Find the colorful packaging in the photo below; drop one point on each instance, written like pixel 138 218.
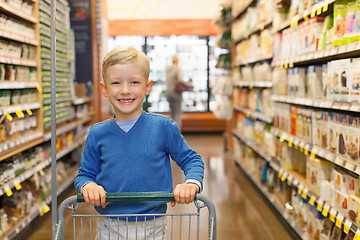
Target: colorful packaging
pixel 352 184
pixel 354 80
pixel 350 19
pixel 356 28
pixel 343 135
pixel 353 209
pixel 352 148
pixel 317 171
pixel 333 127
pixel 340 13
pixel 324 130
pixel 314 88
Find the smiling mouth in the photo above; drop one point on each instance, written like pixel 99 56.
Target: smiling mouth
pixel 126 100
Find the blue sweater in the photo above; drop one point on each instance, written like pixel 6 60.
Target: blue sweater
pixel 136 161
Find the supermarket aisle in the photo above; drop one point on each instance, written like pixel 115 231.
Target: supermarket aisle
pixel 241 212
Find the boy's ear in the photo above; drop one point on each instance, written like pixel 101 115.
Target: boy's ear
pixel 103 89
pixel 149 85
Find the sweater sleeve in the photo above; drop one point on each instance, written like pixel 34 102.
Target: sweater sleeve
pixel 185 157
pixel 90 163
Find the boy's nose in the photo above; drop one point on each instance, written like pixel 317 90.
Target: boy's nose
pixel 125 89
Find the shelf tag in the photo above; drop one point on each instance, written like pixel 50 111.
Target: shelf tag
pixel 44 210
pixel 312 201
pixel 18 186
pixel 29 111
pixel 291 65
pixel 279 174
pixel 296 146
pixel 41 172
pixel 282 139
pixel 306 151
pixel 347 225
pixel 39 88
pixel 299 190
pixel 289 182
pixel 19 114
pixel 332 217
pixel 262 27
pixel 304 195
pixel 301 149
pixel 8 191
pixel 320 208
pixel 306 17
pixel 357 234
pixel 339 220
pixel 313 14
pixel 325 7
pixel 318 12
pixel 312 154
pixel 9 117
pixel 290 144
pixel 283 178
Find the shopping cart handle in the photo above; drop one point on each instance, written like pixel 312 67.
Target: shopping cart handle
pixel 138 196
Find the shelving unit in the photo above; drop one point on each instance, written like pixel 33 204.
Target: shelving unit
pixel 27 77
pixel 242 63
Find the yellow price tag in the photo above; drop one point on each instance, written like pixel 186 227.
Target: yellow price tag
pixel 262 27
pixel 286 66
pixel 41 172
pixel 251 87
pixel 306 151
pixel 313 14
pixel 291 64
pixel 289 182
pixel 295 146
pixel 8 192
pixel 282 139
pixel 39 88
pixel 306 17
pixel 299 190
pixel 296 22
pixel 301 149
pixel 357 237
pixel 283 178
pixel 18 186
pixel 29 111
pixel 346 229
pixel 312 201
pixel 319 207
pixel 312 154
pixel 290 144
pixel 44 210
pixel 304 195
pixel 318 12
pixel 338 223
pixel 9 117
pixel 19 114
pixel 325 212
pixel 325 7
pixel 279 174
pixel 332 217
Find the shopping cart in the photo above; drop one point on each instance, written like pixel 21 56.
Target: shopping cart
pixel 179 226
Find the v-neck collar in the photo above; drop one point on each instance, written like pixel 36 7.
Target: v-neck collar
pixel 133 127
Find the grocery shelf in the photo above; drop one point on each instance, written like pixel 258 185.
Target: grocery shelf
pixel 18 61
pixel 254 60
pixel 20 107
pixel 272 200
pixel 25 141
pixel 243 9
pixel 318 103
pixel 79 101
pixel 310 149
pixel 344 51
pixel 255 84
pixel 30 172
pixel 18 84
pixel 14 11
pixel 257 29
pixel 18 38
pixel 254 114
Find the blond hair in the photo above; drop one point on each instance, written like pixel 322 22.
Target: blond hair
pixel 124 55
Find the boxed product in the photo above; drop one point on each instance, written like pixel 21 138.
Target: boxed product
pixel 340 71
pixel 326 80
pixel 356 28
pixel 343 135
pixel 339 180
pixel 354 79
pixel 333 128
pixel 316 128
pixel 350 19
pixel 340 13
pixel 340 200
pixel 352 184
pixel 352 148
pixel 324 130
pixel 326 191
pixel 353 209
pixel 314 88
pixel 317 171
pixel 314 33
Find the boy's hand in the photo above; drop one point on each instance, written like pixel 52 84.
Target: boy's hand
pixel 185 193
pixel 94 194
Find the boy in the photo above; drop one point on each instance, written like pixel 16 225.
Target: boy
pixel 131 152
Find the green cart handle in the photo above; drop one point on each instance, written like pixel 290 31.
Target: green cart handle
pixel 138 196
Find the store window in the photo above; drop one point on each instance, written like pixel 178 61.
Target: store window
pixel 196 59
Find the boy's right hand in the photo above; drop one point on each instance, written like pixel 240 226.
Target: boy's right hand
pixel 94 194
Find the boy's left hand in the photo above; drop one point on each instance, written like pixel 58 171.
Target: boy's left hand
pixel 185 193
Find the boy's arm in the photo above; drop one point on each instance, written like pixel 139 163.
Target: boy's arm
pixel 94 194
pixel 185 193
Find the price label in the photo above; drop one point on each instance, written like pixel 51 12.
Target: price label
pixel 291 64
pixel 19 114
pixel 306 17
pixel 312 154
pixel 29 112
pixel 39 88
pixel 299 190
pixel 318 12
pixel 290 144
pixel 8 191
pixel 282 139
pixel 304 195
pixel 44 210
pixel 319 207
pixel 18 186
pixel 339 220
pixel 347 225
pixel 283 178
pixel 9 117
pixel 357 235
pixel 296 147
pixel 313 14
pixel 279 174
pixel 325 7
pixel 332 217
pixel 41 172
pixel 312 201
pixel 301 149
pixel 306 151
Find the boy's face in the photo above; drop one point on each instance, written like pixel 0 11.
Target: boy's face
pixel 125 87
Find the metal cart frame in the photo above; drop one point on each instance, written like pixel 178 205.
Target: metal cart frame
pixel 200 202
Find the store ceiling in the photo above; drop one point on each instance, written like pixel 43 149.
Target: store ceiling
pixel 162 9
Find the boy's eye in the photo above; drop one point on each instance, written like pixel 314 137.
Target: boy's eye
pixel 135 82
pixel 114 83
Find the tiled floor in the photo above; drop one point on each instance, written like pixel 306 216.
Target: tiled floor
pixel 241 212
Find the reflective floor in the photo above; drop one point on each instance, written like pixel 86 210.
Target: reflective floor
pixel 241 211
